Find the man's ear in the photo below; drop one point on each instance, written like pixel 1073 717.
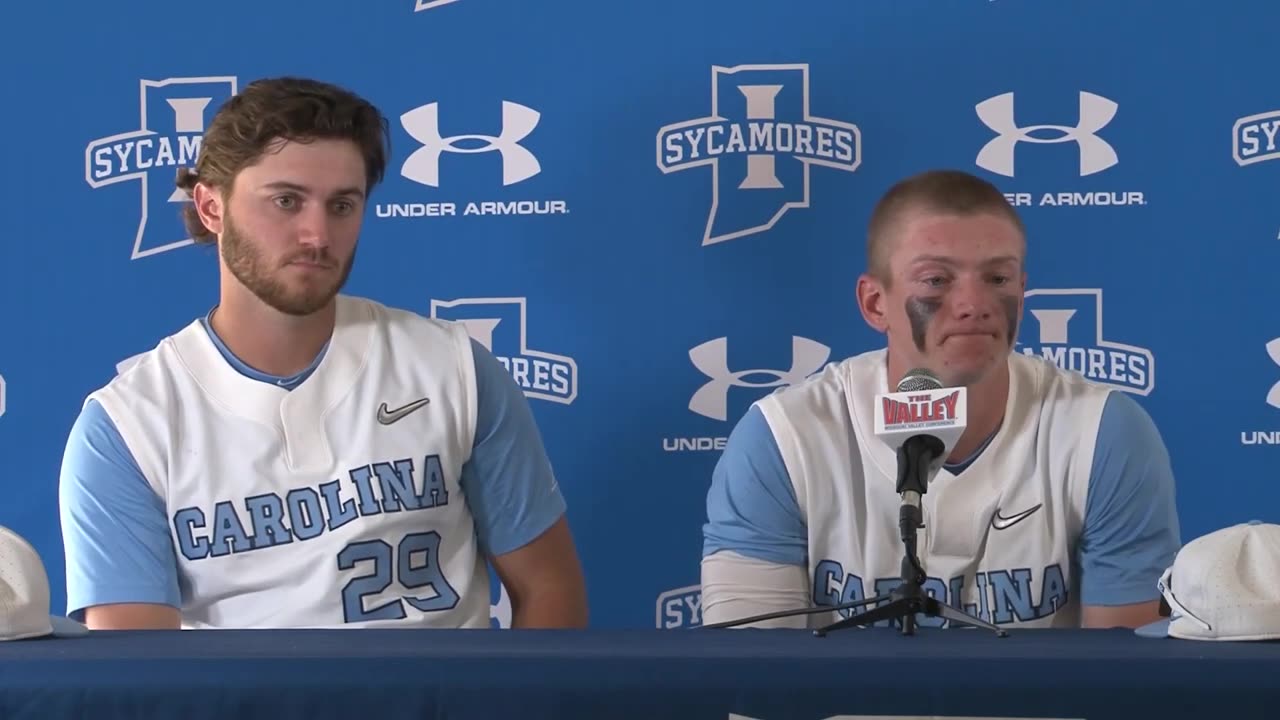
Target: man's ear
pixel 871 302
pixel 210 206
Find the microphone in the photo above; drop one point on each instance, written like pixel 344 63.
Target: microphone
pixel 921 421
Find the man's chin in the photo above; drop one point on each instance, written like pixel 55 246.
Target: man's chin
pixel 301 304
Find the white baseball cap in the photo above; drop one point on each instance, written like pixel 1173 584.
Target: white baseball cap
pixel 1223 586
pixel 24 594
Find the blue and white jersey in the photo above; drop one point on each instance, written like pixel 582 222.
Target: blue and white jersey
pixel 1070 503
pixel 365 491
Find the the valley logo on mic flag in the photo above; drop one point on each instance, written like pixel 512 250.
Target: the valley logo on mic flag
pixel 941 412
pixel 920 410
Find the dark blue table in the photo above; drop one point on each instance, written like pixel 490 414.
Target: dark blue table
pixel 650 674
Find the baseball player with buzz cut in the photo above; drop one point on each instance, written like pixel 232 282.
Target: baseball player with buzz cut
pixel 1055 508
pixel 299 457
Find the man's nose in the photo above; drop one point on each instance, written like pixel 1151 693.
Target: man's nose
pixel 313 227
pixel 971 297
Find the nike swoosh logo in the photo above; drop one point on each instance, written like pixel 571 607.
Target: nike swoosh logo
pixel 1000 522
pixel 386 416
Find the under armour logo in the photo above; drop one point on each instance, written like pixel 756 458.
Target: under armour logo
pixel 711 358
pixel 1096 154
pixel 423 124
pixel 1273 396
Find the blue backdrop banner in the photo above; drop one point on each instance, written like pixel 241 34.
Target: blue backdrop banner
pixel 655 213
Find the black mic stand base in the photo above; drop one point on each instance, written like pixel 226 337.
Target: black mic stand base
pixel 905 602
pixel 786 613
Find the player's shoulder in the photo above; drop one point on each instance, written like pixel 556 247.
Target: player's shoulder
pixel 398 320
pixel 147 368
pixel 1126 423
pixel 1050 385
pixel 1076 403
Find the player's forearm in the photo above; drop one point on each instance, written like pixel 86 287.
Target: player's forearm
pixel 736 587
pixel 132 616
pixel 556 607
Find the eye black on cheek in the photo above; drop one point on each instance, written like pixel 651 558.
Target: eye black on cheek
pixel 1010 305
pixel 920 312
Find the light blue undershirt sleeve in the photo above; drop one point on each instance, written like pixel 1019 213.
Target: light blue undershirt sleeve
pixel 114 530
pixel 508 482
pixel 1131 531
pixel 751 506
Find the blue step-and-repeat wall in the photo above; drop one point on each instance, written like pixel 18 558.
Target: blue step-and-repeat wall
pixel 663 206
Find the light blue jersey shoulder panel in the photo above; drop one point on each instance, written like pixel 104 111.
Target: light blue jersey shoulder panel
pixel 509 483
pixel 1131 531
pixel 751 506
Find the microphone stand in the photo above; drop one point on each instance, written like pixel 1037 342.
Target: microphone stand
pixel 909 598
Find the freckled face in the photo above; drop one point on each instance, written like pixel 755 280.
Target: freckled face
pixel 955 298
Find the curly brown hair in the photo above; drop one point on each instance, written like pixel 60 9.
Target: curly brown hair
pixel 274 109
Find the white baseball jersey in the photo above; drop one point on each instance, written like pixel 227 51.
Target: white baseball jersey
pixel 334 504
pixel 1070 503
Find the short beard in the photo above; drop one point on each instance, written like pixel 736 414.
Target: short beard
pixel 251 269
